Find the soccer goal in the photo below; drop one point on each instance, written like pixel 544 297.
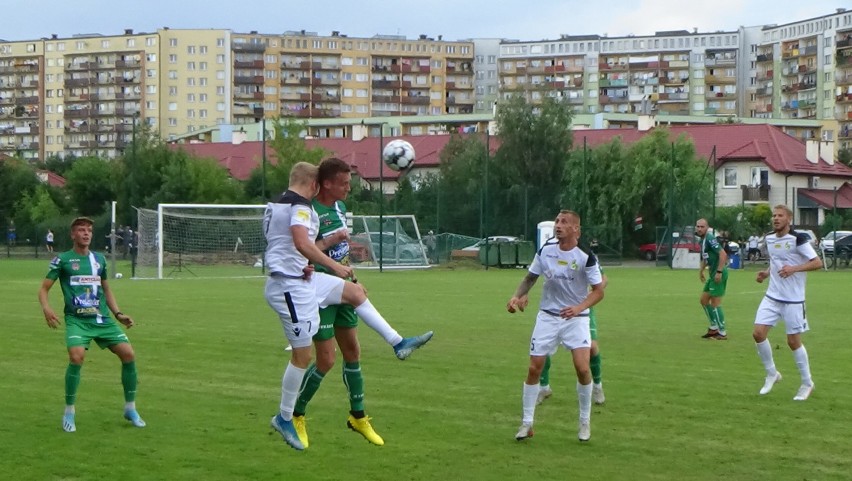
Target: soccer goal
pixel 200 240
pixel 396 243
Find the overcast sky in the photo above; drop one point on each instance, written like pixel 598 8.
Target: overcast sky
pixel 456 19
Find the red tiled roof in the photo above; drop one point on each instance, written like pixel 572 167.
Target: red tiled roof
pixel 781 152
pixel 362 154
pixel 51 178
pixel 825 197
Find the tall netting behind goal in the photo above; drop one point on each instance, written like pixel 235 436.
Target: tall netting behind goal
pixel 186 240
pixel 397 241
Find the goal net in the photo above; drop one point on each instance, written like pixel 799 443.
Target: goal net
pixel 199 240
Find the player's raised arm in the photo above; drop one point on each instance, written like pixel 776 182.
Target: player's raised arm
pixel 309 249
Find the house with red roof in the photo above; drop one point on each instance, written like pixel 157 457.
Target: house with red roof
pixel 757 163
pixel 754 163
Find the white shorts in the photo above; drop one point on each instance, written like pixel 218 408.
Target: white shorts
pixel 295 302
pixel 552 331
pixel 770 312
pixel 329 288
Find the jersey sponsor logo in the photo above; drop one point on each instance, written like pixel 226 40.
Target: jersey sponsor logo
pixel 339 251
pixel 303 215
pixel 85 280
pixel 562 262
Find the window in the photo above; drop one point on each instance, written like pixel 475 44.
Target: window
pixel 151 73
pixel 730 180
pixel 202 81
pixel 220 106
pixel 173 74
pixel 131 42
pixel 150 41
pixel 190 49
pixel 202 66
pixel 348 92
pixel 202 113
pixel 190 98
pixel 150 105
pixel 172 121
pixel 202 98
pixel 220 58
pixel 220 90
pixel 190 65
pixel 220 74
pixel 220 42
pixel 172 42
pixel 172 91
pixel 202 49
pixel 172 106
pixel 172 58
pixel 151 89
pixel 190 81
pixel 190 113
pixel 104 43
pixel 151 57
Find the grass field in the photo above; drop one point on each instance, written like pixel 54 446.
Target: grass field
pixel 210 362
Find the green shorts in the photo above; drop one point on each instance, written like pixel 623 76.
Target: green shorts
pixel 716 289
pixel 593 324
pixel 338 315
pixel 83 333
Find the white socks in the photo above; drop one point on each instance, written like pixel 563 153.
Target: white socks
pixel 800 355
pixel 584 396
pixel 130 406
pixel 290 384
pixel 69 409
pixel 530 397
pixel 372 318
pixel 764 350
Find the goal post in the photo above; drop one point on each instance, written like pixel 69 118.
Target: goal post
pixel 397 242
pixel 200 240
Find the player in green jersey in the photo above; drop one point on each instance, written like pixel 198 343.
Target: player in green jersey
pixel 713 255
pixel 339 322
pixel 82 275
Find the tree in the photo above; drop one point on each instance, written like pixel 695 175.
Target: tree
pixel 42 207
pixel 535 143
pixel 90 185
pixel 289 148
pixel 17 179
pixel 457 192
pixel 845 157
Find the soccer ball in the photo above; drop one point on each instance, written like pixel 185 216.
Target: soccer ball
pixel 398 154
pixel 118 275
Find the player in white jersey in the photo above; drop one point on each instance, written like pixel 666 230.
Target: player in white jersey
pixel 296 293
pixel 790 256
pixel 563 316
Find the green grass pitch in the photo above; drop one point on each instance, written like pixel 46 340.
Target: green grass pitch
pixel 210 362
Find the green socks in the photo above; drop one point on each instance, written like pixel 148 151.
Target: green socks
pixel 128 380
pixel 595 365
pixel 711 315
pixel 545 373
pixel 720 319
pixel 72 382
pixel 310 385
pixel 354 382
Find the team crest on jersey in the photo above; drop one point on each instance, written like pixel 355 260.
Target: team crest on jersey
pixel 75 266
pixel 574 265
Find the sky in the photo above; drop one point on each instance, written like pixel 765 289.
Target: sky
pixel 454 20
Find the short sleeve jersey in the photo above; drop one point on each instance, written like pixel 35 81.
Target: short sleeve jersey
pixel 332 219
pixel 290 210
pixel 710 249
pixel 80 279
pixel 567 276
pixel 790 249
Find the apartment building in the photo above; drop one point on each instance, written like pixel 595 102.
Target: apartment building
pixel 22 73
pixel 803 69
pixel 669 73
pixel 306 75
pixel 486 72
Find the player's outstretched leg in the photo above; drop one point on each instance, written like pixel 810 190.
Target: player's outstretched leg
pixel 301 427
pixel 408 345
pixel 129 382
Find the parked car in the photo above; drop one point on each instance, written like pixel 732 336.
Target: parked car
pixel 653 251
pixel 841 253
pixel 761 244
pixel 395 248
pixel 827 242
pixel 495 239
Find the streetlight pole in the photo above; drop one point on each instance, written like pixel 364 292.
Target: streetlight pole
pixel 263 148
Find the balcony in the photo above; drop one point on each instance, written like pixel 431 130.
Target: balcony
pixel 248 95
pixel 755 194
pixel 847 42
pixel 765 57
pixel 554 68
pixel 77 113
pixel 843 98
pixel 248 47
pixel 77 82
pixel 720 95
pixel 712 62
pixel 719 79
pixel 575 100
pixel 249 64
pixel 124 80
pixel 250 80
pixel 26 101
pixel 764 92
pixel 416 100
pixel 384 84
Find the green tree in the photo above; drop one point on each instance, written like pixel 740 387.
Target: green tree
pixel 289 148
pixel 845 157
pixel 457 191
pixel 90 184
pixel 535 143
pixel 17 179
pixel 42 207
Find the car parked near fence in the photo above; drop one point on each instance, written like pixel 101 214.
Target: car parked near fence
pixel 652 251
pixel 827 242
pixel 495 239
